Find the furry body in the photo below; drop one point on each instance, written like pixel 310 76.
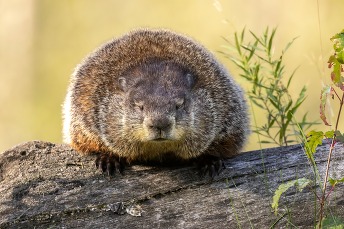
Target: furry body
pixel 153 93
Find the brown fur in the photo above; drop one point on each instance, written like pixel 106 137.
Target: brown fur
pixel 153 93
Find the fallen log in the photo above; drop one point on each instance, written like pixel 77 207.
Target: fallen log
pixel 46 185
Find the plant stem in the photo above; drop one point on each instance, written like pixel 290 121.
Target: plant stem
pixel 340 111
pixel 323 196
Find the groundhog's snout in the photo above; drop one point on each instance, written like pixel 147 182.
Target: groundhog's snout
pixel 158 128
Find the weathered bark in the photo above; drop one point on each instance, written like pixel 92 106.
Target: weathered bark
pixel 48 185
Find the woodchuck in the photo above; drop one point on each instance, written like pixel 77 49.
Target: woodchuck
pixel 154 96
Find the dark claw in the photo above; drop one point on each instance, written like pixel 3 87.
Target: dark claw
pixel 212 171
pixel 110 168
pixel 211 165
pixel 110 164
pixel 219 166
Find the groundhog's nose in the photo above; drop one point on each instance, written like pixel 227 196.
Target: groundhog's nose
pixel 160 124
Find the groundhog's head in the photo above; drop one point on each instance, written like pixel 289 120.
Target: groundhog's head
pixel 157 97
pixel 156 107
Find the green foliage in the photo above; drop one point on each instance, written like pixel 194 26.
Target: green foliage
pixel 333 182
pixel 335 62
pixel 315 138
pixel 300 184
pixel 269 87
pixel 332 223
pixel 337 59
pixel 270 91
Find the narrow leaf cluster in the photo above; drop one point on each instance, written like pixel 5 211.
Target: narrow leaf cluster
pixel 269 85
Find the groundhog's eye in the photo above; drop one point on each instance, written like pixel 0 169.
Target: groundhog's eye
pixel 179 103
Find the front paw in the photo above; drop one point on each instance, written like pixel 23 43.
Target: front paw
pixel 110 164
pixel 211 165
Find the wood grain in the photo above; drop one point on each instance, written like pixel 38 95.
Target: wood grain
pixel 46 185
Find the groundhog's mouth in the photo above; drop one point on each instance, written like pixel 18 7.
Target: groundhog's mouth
pixel 159 139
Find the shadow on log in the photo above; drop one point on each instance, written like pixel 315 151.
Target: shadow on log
pixel 46 185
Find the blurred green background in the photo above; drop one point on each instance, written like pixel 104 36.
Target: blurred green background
pixel 42 41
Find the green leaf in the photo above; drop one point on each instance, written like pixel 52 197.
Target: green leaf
pixel 325 92
pixel 329 134
pixel 314 138
pixel 337 60
pixel 240 65
pixel 277 69
pixel 339 136
pixel 336 73
pixel 338 41
pixel 257 38
pixel 332 222
pixel 300 99
pixel 333 182
pixel 266 142
pixel 298 103
pixel 252 50
pixel 257 102
pixel 299 183
pixel 237 44
pixel 271 39
pixel 290 115
pixel 289 44
pixel 274 101
pixel 271 121
pixel 291 77
pixel 242 34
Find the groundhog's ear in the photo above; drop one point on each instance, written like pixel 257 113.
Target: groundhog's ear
pixel 191 80
pixel 122 84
